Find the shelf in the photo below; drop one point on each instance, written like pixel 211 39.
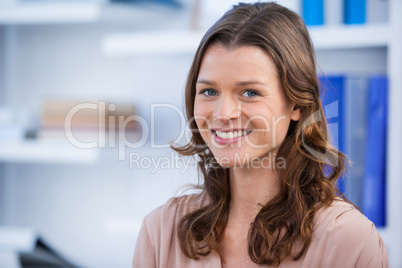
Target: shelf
pixel 17 238
pixel 186 42
pixel 49 152
pixel 57 12
pixel 151 43
pixel 350 36
pixel 47 12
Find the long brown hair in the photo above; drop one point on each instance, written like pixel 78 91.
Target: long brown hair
pixel 312 164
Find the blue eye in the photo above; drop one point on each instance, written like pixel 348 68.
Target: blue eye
pixel 250 93
pixel 209 92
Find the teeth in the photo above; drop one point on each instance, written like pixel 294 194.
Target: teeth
pixel 230 134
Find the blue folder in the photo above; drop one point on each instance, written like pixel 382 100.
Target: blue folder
pixel 332 98
pixel 354 11
pixel 313 12
pixel 373 200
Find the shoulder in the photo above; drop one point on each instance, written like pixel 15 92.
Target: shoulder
pixel 342 216
pixel 337 213
pixel 157 241
pixel 173 210
pixel 342 230
pixel 158 244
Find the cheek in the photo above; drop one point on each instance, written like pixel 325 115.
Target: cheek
pixel 280 129
pixel 198 110
pixel 258 115
pixel 282 126
pixel 201 114
pixel 272 125
pixel 202 129
pixel 201 124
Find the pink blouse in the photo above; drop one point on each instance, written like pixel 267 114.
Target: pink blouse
pixel 342 237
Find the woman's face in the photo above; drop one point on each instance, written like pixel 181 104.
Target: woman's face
pixel 240 107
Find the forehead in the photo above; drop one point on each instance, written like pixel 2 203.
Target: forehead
pixel 243 62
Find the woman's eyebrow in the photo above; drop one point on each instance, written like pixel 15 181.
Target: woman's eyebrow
pixel 202 81
pixel 242 83
pixel 251 82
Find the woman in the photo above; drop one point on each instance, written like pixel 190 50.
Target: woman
pixel 260 135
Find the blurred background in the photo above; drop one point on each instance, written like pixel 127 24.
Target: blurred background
pixel 115 71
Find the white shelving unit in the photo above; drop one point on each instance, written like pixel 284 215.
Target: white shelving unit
pixel 344 37
pixel 151 43
pixel 47 152
pixel 52 51
pixel 49 13
pixel 180 42
pixel 44 13
pixel 393 232
pixel 73 12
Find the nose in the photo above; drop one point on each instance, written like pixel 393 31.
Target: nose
pixel 227 109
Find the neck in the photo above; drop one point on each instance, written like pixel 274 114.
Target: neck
pixel 251 189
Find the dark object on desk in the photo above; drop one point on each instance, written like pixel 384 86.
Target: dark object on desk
pixel 44 257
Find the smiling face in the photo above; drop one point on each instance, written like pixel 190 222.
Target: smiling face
pixel 240 107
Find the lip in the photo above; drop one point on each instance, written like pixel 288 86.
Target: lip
pixel 222 141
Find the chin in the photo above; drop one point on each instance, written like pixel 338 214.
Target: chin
pixel 246 160
pixel 232 160
pixel 226 164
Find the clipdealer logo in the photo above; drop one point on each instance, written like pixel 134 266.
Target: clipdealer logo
pixel 106 134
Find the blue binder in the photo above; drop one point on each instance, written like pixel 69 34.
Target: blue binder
pixel 373 203
pixel 313 12
pixel 332 98
pixel 354 11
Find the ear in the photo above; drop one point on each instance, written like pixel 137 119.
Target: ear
pixel 295 114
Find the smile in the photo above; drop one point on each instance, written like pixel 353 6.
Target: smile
pixel 229 136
